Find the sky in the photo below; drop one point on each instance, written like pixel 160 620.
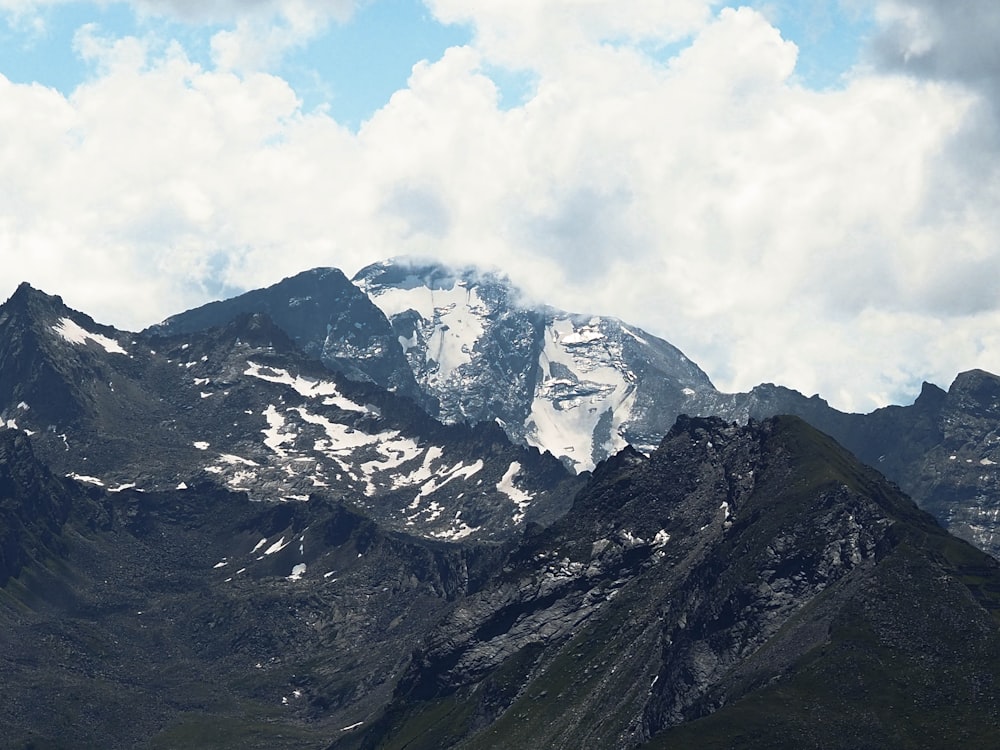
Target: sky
pixel 795 192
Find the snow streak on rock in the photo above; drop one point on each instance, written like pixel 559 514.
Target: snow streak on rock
pixel 584 393
pixel 519 497
pixel 75 334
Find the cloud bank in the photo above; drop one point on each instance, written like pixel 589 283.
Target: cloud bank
pixel 667 167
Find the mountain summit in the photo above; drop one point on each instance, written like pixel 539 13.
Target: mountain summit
pixel 463 345
pixel 327 317
pixel 579 386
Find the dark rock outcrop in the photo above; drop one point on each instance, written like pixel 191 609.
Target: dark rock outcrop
pixel 724 570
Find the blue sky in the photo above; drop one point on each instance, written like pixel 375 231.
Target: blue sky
pixel 353 66
pixel 801 193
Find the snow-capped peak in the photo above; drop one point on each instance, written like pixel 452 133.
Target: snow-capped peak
pixel 564 383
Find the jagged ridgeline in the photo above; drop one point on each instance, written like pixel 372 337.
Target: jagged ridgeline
pixel 242 405
pixel 741 587
pixel 411 511
pixel 582 387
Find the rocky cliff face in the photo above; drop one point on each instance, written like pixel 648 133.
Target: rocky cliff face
pixel 583 387
pixel 942 450
pixel 251 549
pixel 327 318
pixel 461 344
pixel 242 406
pixel 204 619
pixel 34 505
pixel 579 386
pixel 209 529
pixel 724 572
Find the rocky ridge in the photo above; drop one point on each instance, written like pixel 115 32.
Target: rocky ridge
pixel 204 618
pixel 240 405
pixel 732 571
pixel 582 387
pixel 212 531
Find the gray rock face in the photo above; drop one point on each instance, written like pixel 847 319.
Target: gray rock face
pixel 943 450
pixel 241 406
pixel 681 584
pixel 579 386
pixel 201 616
pixel 582 387
pixel 327 318
pixel 462 346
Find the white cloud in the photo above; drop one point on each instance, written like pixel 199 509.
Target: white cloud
pixel 223 11
pixel 830 241
pixel 256 34
pixel 260 39
pixel 204 11
pixel 528 33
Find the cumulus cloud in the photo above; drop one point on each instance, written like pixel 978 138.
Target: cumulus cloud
pixel 531 34
pixel 221 11
pixel 204 11
pixel 831 241
pixel 255 34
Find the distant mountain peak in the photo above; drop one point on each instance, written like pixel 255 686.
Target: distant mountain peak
pixel 35 302
pixel 580 386
pixel 47 312
pixel 45 347
pixel 326 316
pixel 410 272
pixel 982 384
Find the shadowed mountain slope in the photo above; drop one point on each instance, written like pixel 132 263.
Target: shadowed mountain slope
pixel 735 570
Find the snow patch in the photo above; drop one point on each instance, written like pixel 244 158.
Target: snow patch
pixel 629 539
pixel 237 460
pixel 628 332
pixel 442 477
pixel 452 321
pixel 581 382
pixel 75 334
pixel 86 479
pixel 201 445
pixel 304 386
pixel 459 529
pixel 277 546
pixel 585 335
pixel 519 497
pixel 274 438
pixel 342 438
pixel 297 572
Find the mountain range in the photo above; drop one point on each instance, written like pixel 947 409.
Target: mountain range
pixel 410 509
pixel 582 387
